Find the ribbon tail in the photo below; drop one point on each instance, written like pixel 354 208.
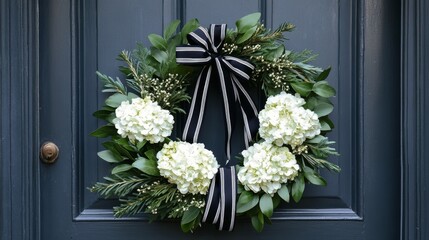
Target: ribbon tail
pixel 221 199
pixel 249 111
pixel 228 96
pixel 196 111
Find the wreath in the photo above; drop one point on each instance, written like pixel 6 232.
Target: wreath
pixel 285 142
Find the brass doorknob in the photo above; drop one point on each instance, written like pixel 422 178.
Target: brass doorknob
pixel 49 152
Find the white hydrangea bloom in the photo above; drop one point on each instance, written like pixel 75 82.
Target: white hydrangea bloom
pixel 284 121
pixel 266 167
pixel 143 119
pixel 190 166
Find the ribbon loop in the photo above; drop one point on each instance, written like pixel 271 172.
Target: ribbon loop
pixel 205 49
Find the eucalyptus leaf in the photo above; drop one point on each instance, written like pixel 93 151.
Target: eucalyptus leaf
pixel 316 139
pixel 147 166
pixel 241 208
pixel 313 177
pixel 323 89
pixel 303 88
pixel 276 52
pixel 131 96
pixel 245 197
pixel 247 35
pixel 170 30
pixel 109 156
pixel 311 103
pixel 266 205
pixel 258 222
pixel 325 126
pixel 121 168
pixel 298 188
pixel 283 192
pixel 158 41
pixel 115 100
pixel 328 121
pixel 190 215
pixel 247 22
pixel 323 109
pixel 276 200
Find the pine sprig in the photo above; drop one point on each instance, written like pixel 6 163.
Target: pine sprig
pixel 112 85
pixel 321 163
pixel 119 185
pixel 323 149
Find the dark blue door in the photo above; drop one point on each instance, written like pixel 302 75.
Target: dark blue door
pixel 359 40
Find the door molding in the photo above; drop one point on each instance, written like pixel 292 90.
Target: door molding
pixel 414 116
pixel 19 124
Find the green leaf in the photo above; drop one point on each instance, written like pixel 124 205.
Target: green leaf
pixel 125 144
pixel 158 41
pixel 102 114
pixel 276 53
pixel 322 76
pixel 246 36
pixel 147 166
pixel 323 89
pixel 141 144
pixel 109 156
pixel 158 55
pixel 327 120
pixel 115 100
pixel 276 200
pixel 316 139
pixel 283 192
pixel 258 222
pixel 131 96
pixel 324 126
pixel 266 205
pixel 104 131
pixel 311 103
pixel 313 177
pixel 303 88
pixel 190 26
pixel 115 146
pixel 151 154
pixel 121 168
pixel 323 109
pixel 298 188
pixel 245 197
pixel 190 215
pixel 171 29
pixel 241 208
pixel 247 22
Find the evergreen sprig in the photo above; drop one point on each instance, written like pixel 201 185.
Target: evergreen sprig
pixel 119 185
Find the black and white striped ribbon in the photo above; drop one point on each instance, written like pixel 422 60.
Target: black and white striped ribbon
pixel 204 49
pixel 221 199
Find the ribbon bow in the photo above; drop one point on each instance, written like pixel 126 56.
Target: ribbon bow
pixel 205 49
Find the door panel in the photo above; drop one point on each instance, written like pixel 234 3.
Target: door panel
pixel 80 37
